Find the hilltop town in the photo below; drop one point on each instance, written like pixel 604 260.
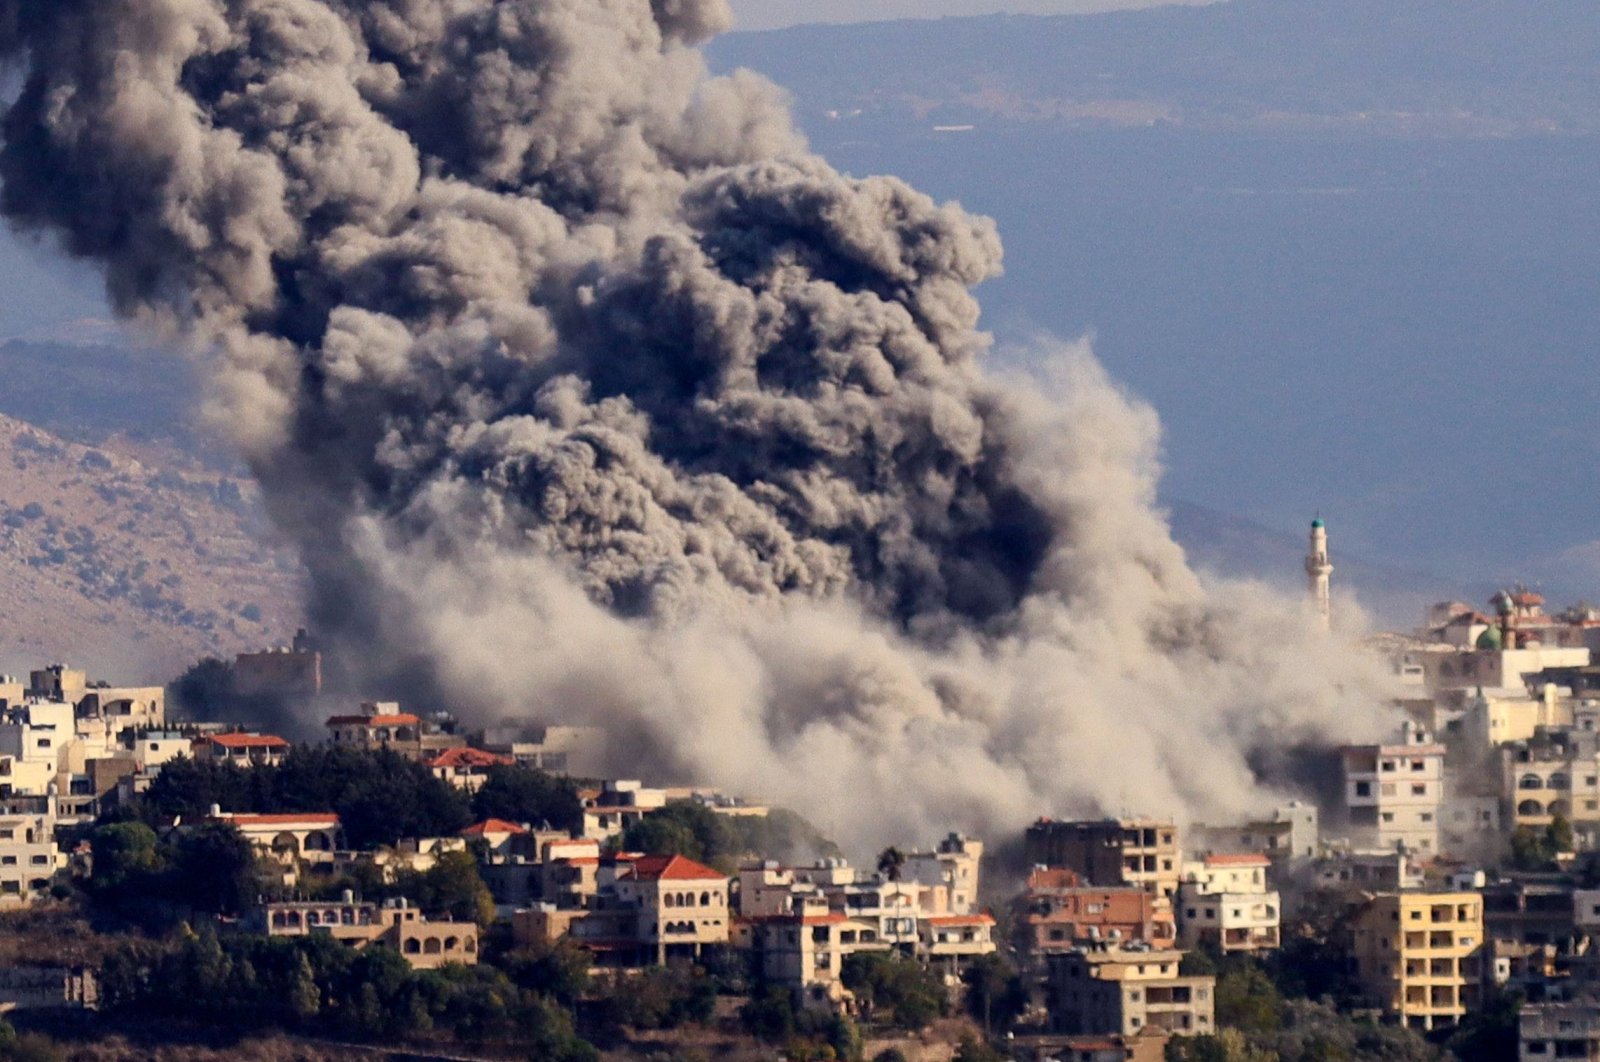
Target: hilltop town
pixel 403 879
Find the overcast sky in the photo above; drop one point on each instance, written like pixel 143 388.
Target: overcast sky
pixel 768 14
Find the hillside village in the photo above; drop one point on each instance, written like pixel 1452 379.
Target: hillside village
pixel 496 888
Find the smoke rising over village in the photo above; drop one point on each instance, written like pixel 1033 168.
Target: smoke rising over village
pixel 587 392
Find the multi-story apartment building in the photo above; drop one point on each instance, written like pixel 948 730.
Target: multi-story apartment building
pixel 1062 913
pixel 1418 955
pixel 1291 833
pixel 1113 991
pixel 955 863
pixel 1549 1032
pixel 1555 774
pixel 1394 793
pixel 805 951
pixel 29 858
pixel 1224 899
pixel 1111 852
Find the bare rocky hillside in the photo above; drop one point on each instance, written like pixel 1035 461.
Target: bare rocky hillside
pixel 132 568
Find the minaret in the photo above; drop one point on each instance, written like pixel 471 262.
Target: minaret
pixel 1318 571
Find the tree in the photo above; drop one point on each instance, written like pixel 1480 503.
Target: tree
pixel 976 1051
pixel 524 794
pixel 125 858
pixel 454 887
pixel 1227 1045
pixel 1490 1032
pixel 1247 1000
pixel 913 993
pixel 769 1016
pixel 559 970
pixel 212 868
pixel 663 835
pixel 996 995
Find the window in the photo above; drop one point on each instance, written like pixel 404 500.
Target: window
pixel 1418 765
pixel 1388 765
pixel 1420 789
pixel 1388 816
pixel 1363 789
pixel 1427 816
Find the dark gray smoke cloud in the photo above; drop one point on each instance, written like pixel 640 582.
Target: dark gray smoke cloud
pixel 583 385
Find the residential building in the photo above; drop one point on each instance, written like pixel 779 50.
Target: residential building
pixel 805 953
pixel 425 944
pixel 682 906
pixel 1382 871
pixel 578 751
pixel 1062 913
pixel 1394 792
pixel 283 673
pixel 950 942
pixel 611 809
pixel 29 858
pixel 1418 955
pixel 1224 900
pixel 1547 1032
pixel 378 725
pixel 308 837
pixel 1554 774
pixel 241 750
pixel 1291 833
pixel 467 768
pixel 1530 910
pixel 1110 852
pixel 153 749
pixel 1114 991
pixel 955 863
pixel 40 987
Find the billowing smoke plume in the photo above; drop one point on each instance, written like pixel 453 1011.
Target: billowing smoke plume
pixel 588 393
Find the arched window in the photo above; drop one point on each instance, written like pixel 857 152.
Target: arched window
pixel 1530 781
pixel 1559 781
pixel 413 946
pixel 451 943
pixel 670 901
pixel 705 899
pixel 1530 807
pixel 313 918
pixel 431 946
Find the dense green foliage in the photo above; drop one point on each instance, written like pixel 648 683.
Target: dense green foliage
pixel 523 794
pixel 316 985
pixel 1533 849
pixel 689 829
pixel 207 869
pixel 895 989
pixel 996 994
pixel 380 797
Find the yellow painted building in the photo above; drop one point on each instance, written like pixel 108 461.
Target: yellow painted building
pixel 1419 955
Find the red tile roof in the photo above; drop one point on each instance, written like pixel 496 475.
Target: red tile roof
pixel 247 741
pixel 403 719
pixel 1238 859
pixel 673 868
pixel 319 818
pixel 961 920
pixel 478 829
pixel 469 757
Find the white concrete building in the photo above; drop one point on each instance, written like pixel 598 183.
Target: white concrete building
pixel 955 864
pixel 1394 793
pixel 1225 899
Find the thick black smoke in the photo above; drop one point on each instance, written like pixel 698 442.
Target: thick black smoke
pixel 579 380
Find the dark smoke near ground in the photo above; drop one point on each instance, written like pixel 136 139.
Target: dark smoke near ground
pixel 589 394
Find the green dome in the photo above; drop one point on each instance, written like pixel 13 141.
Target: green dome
pixel 1489 639
pixel 1317 523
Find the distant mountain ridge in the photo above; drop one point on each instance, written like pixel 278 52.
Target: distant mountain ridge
pixel 1485 66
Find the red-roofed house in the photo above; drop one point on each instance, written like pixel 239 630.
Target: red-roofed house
pixel 953 941
pixel 647 909
pixel 466 768
pixel 244 750
pixel 379 725
pixel 304 836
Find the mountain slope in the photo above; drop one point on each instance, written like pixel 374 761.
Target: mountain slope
pixel 128 567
